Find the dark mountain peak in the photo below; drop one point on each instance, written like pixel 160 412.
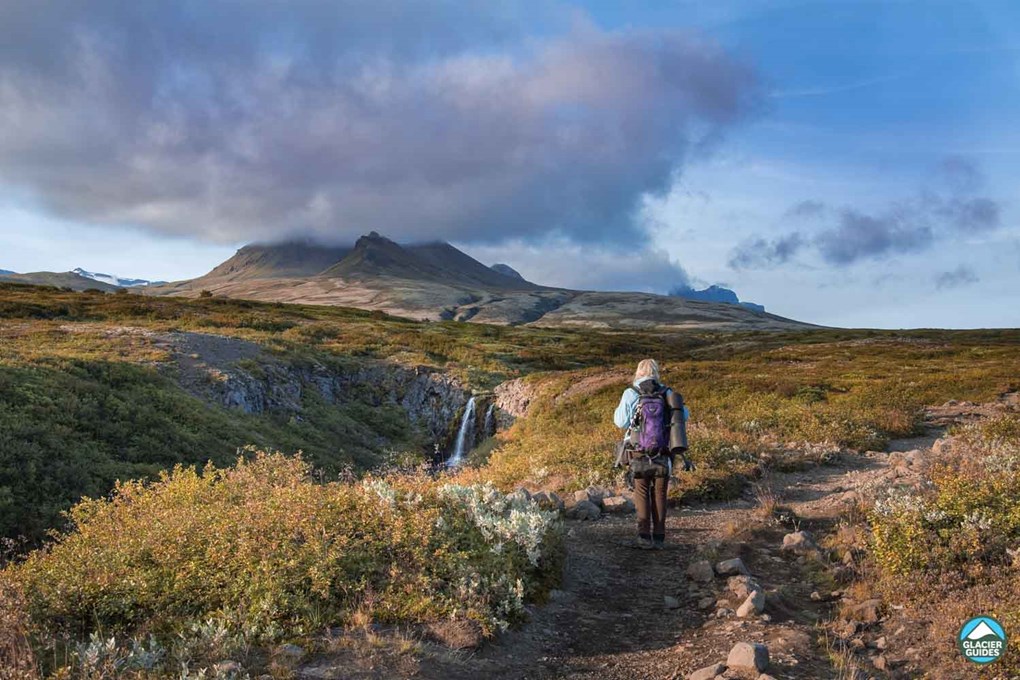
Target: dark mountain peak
pixel 506 270
pixel 713 293
pixel 372 237
pixel 288 259
pixel 375 255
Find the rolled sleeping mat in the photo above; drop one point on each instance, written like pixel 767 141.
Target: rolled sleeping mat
pixel 677 424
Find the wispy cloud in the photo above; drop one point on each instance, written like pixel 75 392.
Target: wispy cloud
pixel 822 90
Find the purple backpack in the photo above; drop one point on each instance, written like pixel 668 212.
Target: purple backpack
pixel 650 424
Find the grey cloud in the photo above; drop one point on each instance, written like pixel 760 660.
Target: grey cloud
pixel 263 120
pixel 961 276
pixel 973 214
pixel 759 253
pixel 944 210
pixel 858 236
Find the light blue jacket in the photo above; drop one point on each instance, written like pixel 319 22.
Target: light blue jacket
pixel 628 402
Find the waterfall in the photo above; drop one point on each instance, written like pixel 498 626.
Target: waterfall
pixel 466 427
pixel 489 425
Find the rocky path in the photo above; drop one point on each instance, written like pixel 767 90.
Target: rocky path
pixel 627 613
pixel 624 613
pixel 670 614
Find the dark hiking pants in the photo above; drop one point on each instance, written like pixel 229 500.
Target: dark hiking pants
pixel 650 500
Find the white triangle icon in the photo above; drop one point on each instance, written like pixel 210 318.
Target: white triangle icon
pixel 981 630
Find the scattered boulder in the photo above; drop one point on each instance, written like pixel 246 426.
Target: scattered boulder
pixel 742 586
pixel 547 500
pixel 754 604
pixel 867 611
pixel 733 566
pixel 700 571
pixel 584 510
pixel 800 543
pixel 618 504
pixel 670 602
pixel 748 657
pixel 593 494
pixel 708 672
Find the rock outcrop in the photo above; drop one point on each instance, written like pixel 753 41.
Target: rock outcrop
pixel 513 399
pixel 238 374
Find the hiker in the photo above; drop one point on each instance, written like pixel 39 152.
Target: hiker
pixel 654 418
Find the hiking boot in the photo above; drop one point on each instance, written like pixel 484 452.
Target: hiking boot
pixel 659 542
pixel 643 543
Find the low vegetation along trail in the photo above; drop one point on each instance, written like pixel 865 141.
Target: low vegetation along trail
pixel 628 613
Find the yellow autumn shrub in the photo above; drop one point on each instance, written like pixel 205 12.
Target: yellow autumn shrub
pixel 265 551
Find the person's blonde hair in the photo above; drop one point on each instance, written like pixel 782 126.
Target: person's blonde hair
pixel 647 368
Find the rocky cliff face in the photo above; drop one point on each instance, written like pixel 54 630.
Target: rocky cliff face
pixel 237 374
pixel 513 399
pixel 432 400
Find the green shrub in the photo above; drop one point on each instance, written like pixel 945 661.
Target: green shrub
pixel 966 517
pixel 263 550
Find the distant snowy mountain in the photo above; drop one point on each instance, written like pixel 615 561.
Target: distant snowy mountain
pixel 714 294
pixel 115 280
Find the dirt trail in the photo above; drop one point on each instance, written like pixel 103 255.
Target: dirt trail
pixel 610 620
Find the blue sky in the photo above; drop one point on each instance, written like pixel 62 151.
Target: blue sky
pixel 845 163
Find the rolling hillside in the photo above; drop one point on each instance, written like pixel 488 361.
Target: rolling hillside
pixel 436 281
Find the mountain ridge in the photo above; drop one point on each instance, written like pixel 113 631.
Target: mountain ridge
pixel 436 281
pixel 60 280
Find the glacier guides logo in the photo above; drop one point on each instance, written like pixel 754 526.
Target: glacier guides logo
pixel 982 640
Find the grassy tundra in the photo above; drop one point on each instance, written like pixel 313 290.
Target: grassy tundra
pixel 271 547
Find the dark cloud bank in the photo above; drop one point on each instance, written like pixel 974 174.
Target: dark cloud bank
pixel 947 206
pixel 242 121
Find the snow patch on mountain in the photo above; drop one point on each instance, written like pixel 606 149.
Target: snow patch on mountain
pixel 115 280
